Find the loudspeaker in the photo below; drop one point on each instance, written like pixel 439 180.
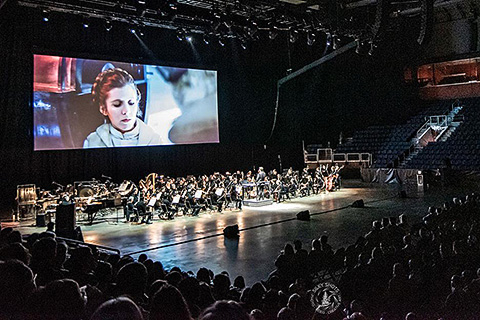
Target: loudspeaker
pixel 40 220
pixel 403 194
pixel 303 215
pixel 358 204
pixel 427 22
pixel 65 221
pixel 231 231
pixel 382 17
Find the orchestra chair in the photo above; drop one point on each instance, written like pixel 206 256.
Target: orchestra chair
pixel 188 208
pixel 136 216
pixel 169 211
pixel 163 212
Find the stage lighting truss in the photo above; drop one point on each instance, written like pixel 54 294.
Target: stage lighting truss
pixel 200 16
pixel 233 18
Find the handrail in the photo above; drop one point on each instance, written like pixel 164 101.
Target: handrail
pixel 440 121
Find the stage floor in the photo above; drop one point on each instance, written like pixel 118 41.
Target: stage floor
pixel 194 242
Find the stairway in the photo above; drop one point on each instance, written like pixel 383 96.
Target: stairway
pixel 453 121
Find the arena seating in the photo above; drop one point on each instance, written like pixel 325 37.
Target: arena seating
pixel 392 146
pixel 461 150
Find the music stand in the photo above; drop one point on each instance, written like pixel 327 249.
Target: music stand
pixel 117 202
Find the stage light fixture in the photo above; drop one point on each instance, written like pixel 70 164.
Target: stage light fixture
pixel 173 5
pixel 221 41
pixel 46 15
pixel 362 47
pixel 244 44
pixel 189 38
pixel 85 22
pixel 108 25
pixel 311 38
pixel 328 42
pixel 337 42
pixel 132 30
pixel 272 34
pixel 373 49
pixel 206 38
pixel 141 7
pixel 180 34
pixel 293 36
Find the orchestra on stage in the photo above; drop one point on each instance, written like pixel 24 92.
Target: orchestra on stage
pixel 168 197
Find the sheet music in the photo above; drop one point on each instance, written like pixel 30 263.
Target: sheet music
pixel 151 202
pixel 122 188
pixel 176 199
pixel 198 194
pixel 219 191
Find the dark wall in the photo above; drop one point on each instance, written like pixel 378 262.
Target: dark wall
pixel 347 93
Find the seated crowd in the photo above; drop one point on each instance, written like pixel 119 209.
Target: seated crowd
pixel 428 270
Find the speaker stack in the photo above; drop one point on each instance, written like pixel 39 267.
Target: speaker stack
pixel 65 221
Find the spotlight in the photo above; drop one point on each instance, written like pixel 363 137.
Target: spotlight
pixel 329 40
pixel 132 30
pixel 206 38
pixel 362 47
pixel 243 44
pixel 228 23
pixel 180 35
pixel 173 5
pixel 108 25
pixel 310 38
pixel 221 41
pixel 272 34
pixel 189 38
pixel 253 34
pixel 46 15
pixel 85 22
pixel 373 49
pixel 141 7
pixel 337 42
pixel 293 36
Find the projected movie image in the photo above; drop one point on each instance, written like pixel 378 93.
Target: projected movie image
pixel 84 103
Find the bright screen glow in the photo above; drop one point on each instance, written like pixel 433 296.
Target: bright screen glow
pixel 171 106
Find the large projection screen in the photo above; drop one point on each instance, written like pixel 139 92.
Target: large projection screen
pixel 171 106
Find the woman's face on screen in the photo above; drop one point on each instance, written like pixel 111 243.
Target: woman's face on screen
pixel 121 107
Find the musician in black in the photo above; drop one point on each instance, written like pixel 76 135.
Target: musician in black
pixel 141 208
pixel 335 171
pixel 128 209
pixel 318 182
pixel 284 188
pixel 261 183
pixel 303 187
pixel 237 192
